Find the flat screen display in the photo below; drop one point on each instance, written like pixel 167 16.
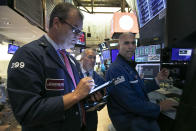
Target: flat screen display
pixel 114 54
pixel 12 48
pixel 81 42
pixel 180 54
pixel 149 53
pixel 148 9
pixel 106 54
pixel 149 71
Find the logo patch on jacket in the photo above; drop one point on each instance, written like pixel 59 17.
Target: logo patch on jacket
pixel 119 80
pixel 54 84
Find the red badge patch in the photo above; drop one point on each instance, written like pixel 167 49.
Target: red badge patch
pixel 54 84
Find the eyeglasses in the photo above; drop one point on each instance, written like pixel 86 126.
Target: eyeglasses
pixel 128 42
pixel 92 57
pixel 75 29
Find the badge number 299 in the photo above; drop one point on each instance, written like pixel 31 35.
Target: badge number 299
pixel 18 65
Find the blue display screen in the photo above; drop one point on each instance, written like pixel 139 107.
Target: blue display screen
pixel 114 53
pixel 180 54
pixel 106 54
pixel 12 48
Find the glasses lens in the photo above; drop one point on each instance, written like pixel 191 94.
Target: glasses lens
pixel 77 31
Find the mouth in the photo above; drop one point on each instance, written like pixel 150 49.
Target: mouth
pixel 130 51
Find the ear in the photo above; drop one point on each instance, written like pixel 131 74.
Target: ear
pixel 118 46
pixel 56 22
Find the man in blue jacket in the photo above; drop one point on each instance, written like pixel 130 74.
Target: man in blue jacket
pixel 88 60
pixel 44 86
pixel 128 105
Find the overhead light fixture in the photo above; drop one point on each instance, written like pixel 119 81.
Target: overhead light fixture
pixel 5 43
pixel 113 44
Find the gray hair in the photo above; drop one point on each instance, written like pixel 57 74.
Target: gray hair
pixel 85 52
pixel 62 10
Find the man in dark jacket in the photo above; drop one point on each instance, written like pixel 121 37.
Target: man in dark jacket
pixel 44 86
pixel 128 105
pixel 87 62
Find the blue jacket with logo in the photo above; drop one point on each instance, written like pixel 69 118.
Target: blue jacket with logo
pixel 37 81
pixel 128 105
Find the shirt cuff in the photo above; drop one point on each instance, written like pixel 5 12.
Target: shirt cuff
pixel 157 81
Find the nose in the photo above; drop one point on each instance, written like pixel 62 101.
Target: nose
pixel 132 46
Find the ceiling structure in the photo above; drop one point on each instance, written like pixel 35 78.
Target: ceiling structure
pixel 89 5
pixel 16 27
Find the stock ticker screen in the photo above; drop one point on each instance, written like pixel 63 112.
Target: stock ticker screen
pixel 148 9
pixel 149 53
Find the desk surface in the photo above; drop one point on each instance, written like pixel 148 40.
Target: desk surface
pixel 159 95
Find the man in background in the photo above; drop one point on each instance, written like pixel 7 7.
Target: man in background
pixel 88 60
pixel 128 105
pixel 2 91
pixel 44 86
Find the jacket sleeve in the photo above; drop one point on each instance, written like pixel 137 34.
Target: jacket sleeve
pixel 150 85
pixel 126 96
pixel 26 83
pixel 99 81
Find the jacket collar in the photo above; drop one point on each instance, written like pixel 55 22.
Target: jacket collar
pixel 51 51
pixel 125 62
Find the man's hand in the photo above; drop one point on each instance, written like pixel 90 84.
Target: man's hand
pixel 84 87
pixel 97 96
pixel 162 75
pixel 168 104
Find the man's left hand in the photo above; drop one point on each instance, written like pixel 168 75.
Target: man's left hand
pixel 97 96
pixel 162 75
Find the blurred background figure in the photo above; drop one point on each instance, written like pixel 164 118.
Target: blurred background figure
pixel 2 91
pixel 88 60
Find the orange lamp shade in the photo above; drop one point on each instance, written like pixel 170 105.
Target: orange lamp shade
pixel 124 22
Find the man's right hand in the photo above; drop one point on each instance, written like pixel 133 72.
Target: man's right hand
pixel 84 87
pixel 168 104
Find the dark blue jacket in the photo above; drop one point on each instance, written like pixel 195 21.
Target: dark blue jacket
pixel 36 75
pixel 91 117
pixel 128 105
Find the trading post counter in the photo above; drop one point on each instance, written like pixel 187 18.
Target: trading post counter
pixel 166 119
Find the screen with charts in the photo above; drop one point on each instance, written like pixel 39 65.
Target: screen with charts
pixel 179 54
pixel 149 71
pixel 114 53
pixel 148 9
pixel 82 40
pixel 149 53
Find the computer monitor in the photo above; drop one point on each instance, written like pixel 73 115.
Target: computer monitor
pixel 149 53
pixel 81 42
pixel 106 54
pixel 149 71
pixel 114 54
pixel 12 48
pixel 148 9
pixel 180 54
